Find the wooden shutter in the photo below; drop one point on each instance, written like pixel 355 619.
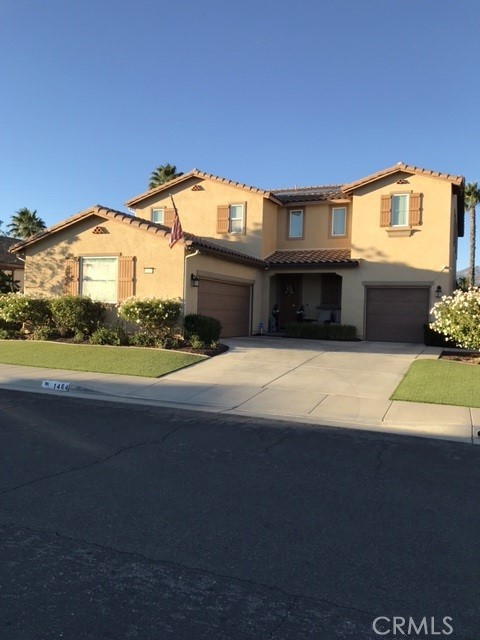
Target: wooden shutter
pixel 415 209
pixel 72 272
pixel 223 211
pixel 126 277
pixel 386 211
pixel 168 217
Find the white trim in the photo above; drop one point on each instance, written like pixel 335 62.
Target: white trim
pixel 339 235
pixel 302 216
pixel 407 197
pixel 82 260
pixel 230 219
pixel 152 214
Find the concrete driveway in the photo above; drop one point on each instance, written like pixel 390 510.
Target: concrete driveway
pixel 295 377
pixel 337 383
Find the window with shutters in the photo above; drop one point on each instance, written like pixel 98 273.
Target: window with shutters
pixel 400 210
pixel 99 278
pixel 236 217
pixel 158 216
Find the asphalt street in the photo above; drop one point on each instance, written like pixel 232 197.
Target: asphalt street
pixel 141 522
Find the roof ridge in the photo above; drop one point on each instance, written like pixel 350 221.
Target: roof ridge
pixel 315 186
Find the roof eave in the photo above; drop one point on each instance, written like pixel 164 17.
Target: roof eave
pixel 214 251
pixel 351 264
pixel 401 168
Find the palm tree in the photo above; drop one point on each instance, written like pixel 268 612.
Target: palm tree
pixel 163 173
pixel 472 198
pixel 25 223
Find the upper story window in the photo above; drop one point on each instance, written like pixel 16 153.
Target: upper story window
pixel 236 218
pixel 339 221
pixel 295 223
pixel 158 215
pixel 400 210
pixel 99 278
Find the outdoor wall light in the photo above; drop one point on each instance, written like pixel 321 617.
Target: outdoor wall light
pixel 194 280
pixel 438 292
pixel 148 270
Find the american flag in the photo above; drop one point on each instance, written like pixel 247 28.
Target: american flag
pixel 176 232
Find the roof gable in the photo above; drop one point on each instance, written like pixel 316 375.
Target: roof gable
pixel 190 240
pixel 403 168
pixel 195 173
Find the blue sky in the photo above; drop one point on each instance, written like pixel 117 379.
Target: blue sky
pixel 96 94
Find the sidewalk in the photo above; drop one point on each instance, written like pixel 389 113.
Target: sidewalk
pixel 338 384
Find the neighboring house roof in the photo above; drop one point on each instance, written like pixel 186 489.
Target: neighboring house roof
pixel 312 258
pixel 309 194
pixel 7 258
pixel 195 173
pixel 207 246
pixel 407 168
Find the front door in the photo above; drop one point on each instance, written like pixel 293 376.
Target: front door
pixel 289 296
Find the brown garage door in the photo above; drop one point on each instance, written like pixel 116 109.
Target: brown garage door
pixel 397 314
pixel 229 303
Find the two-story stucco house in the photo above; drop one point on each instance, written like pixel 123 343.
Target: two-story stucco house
pixel 374 253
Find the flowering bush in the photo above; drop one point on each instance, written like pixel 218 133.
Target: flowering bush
pixel 17 309
pixel 458 318
pixel 76 314
pixel 154 317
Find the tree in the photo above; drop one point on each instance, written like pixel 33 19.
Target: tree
pixel 472 198
pixel 25 223
pixel 162 174
pixel 8 284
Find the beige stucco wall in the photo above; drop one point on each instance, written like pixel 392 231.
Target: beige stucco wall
pixel 270 218
pixel 216 268
pixel 418 259
pixel 45 263
pixel 198 211
pixel 316 228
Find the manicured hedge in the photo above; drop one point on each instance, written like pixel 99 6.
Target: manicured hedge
pixel 321 331
pixel 203 329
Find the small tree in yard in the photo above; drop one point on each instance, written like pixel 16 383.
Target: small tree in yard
pixel 458 318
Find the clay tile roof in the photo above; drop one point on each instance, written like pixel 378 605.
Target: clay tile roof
pixel 207 246
pixel 308 194
pixel 196 173
pixel 407 168
pixel 313 257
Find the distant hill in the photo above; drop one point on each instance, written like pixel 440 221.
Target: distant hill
pixel 464 273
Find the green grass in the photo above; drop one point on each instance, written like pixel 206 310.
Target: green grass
pixel 131 361
pixel 441 382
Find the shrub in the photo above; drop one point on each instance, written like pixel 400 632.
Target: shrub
pixel 141 340
pixel 457 317
pixel 72 314
pixel 114 335
pixel 432 338
pixel 321 331
pixel 17 309
pixel 9 334
pixel 44 333
pixel 155 317
pixel 201 329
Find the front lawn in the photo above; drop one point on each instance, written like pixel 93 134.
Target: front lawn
pixel 132 361
pixel 441 382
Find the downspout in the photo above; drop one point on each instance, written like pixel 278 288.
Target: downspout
pixel 191 255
